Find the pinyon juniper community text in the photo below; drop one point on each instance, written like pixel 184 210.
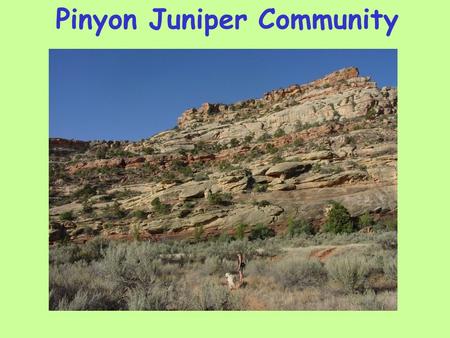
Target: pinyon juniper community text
pixel 269 19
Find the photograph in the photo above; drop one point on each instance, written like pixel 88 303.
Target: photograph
pixel 222 180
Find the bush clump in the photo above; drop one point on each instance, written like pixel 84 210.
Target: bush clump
pixel 215 297
pixel 338 219
pixel 159 207
pixel 114 212
pixel 298 227
pixel 240 230
pixel 67 216
pixel 85 192
pixel 260 187
pixel 365 220
pixel 139 214
pixel 261 231
pixel 279 132
pixel 348 272
pixel 219 198
pixel 300 273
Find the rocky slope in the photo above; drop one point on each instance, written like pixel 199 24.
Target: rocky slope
pixel 266 160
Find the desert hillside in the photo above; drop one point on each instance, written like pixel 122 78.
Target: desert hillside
pixel 260 162
pixel 299 184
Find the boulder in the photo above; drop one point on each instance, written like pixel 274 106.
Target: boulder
pixel 193 190
pixel 289 169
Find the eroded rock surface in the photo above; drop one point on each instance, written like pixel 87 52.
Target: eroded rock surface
pixel 264 160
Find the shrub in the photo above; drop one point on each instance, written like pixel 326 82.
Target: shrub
pixel 338 219
pixel 248 138
pixel 154 298
pixel 365 220
pixel 371 114
pixel 198 232
pixel 148 150
pixel 186 171
pixel 348 272
pixel 264 137
pixel 114 211
pixel 260 187
pixel 168 176
pixel 101 153
pixel 299 142
pixel 234 143
pixel 85 192
pixel 214 297
pixel 225 166
pixel 133 265
pixel 388 240
pixel 300 273
pixel 67 216
pixel 299 226
pixel 219 198
pixel 240 230
pixel 271 149
pixel 87 207
pixel 258 267
pixel 159 207
pixel 277 159
pixel 279 132
pixel 201 177
pixel 139 214
pixel 135 231
pixel 261 204
pixel 261 231
pixel 391 224
pixel 390 267
pixel 215 265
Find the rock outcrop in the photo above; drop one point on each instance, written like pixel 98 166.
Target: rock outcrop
pixel 264 160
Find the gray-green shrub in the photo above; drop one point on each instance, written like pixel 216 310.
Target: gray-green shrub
pixel 300 273
pixel 349 272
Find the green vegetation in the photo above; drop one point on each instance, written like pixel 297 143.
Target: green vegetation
pixel 277 159
pixel 297 227
pixel 261 231
pixel 264 137
pixel 348 272
pixel 279 133
pixel 271 149
pixel 248 138
pixel 365 220
pixel 240 230
pixel 299 142
pixel 260 187
pixel 87 208
pixel 159 207
pixel 135 231
pixel 300 273
pixel 114 212
pixel 338 219
pixel 85 192
pixel 198 232
pixel 139 214
pixel 234 143
pixel 371 114
pixel 148 150
pixel 220 198
pixel 261 204
pixel 67 216
pixel 186 275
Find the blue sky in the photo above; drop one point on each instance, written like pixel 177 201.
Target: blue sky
pixel 133 94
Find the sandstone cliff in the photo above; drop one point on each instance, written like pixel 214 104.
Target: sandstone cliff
pixel 284 155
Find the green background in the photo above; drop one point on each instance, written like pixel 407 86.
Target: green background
pixel 28 32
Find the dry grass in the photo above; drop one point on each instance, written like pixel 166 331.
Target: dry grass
pixel 180 276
